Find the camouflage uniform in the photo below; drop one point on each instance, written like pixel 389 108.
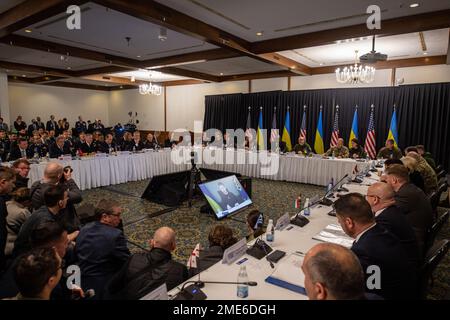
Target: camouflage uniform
pixel 338 152
pixel 385 153
pixel 428 175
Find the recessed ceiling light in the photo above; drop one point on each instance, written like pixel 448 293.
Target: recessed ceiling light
pixel 24 76
pixel 339 41
pixel 138 56
pixel 425 52
pixel 413 5
pixel 221 73
pixel 259 33
pixel 133 79
pixel 68 68
pixel 28 31
pixel 321 63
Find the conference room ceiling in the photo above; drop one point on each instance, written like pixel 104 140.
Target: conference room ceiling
pixel 275 19
pixel 101 46
pixel 105 30
pixel 45 59
pixel 89 82
pixel 396 47
pixel 148 75
pixel 231 66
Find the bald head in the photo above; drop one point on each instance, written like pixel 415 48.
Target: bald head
pixel 332 272
pixel 164 238
pixel 380 196
pixel 53 172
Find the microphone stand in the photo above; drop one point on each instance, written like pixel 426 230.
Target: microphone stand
pixel 328 202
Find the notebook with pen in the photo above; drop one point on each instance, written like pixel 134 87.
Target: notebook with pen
pixel 289 275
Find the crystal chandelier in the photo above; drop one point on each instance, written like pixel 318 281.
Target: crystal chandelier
pixel 150 88
pixel 356 73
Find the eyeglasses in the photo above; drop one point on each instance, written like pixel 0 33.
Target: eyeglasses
pixel 373 196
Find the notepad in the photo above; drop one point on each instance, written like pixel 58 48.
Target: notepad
pixel 333 233
pixel 289 275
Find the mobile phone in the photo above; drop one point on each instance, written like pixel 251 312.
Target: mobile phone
pixel 276 256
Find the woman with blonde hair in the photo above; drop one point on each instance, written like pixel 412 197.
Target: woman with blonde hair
pixel 414 176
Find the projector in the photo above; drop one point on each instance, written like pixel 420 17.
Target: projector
pixel 373 57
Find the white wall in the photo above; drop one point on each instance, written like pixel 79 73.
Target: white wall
pixel 150 109
pixel 185 104
pixel 37 100
pixel 271 84
pixel 424 74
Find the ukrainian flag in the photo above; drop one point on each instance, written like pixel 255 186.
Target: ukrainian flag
pixel 318 143
pixel 354 132
pixel 393 133
pixel 259 134
pixel 286 137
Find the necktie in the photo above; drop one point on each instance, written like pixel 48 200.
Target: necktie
pixel 24 154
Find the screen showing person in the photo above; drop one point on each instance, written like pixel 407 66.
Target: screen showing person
pixel 225 195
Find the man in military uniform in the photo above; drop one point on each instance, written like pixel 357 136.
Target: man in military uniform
pixel 302 147
pixel 390 151
pixel 37 148
pixel 426 155
pixel 338 151
pixel 356 151
pixel 426 171
pixel 4 145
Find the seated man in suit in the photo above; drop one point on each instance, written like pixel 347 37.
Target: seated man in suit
pixel 38 148
pixel 88 146
pixel 302 147
pixel 59 148
pixel 389 273
pixel 136 143
pixel 338 151
pixel 37 273
pixel 144 272
pixel 108 145
pixel 55 202
pixel 390 151
pixel 20 150
pixel 150 142
pixel 381 198
pixel 412 201
pixel 333 272
pixel 101 247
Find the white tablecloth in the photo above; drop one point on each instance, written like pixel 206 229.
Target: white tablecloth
pixel 96 172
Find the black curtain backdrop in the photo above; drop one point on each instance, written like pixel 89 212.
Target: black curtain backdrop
pixel 423 113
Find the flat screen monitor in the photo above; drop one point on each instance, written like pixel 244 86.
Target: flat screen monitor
pixel 225 196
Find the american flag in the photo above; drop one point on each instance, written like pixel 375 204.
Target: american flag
pixel 248 125
pixel 335 133
pixel 303 128
pixel 274 134
pixel 370 145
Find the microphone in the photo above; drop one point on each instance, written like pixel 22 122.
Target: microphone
pixel 263 245
pixel 328 202
pixel 193 291
pixel 201 284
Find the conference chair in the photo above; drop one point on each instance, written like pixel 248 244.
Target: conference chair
pixel 434 256
pixel 436 228
pixel 441 174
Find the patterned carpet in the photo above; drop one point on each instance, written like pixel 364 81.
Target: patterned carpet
pixel 274 198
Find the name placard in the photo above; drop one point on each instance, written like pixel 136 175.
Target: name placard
pixel 234 252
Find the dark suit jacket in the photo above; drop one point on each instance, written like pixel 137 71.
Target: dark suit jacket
pixel 132 144
pixel 394 220
pixel 379 247
pixel 104 147
pixel 145 272
pixel 85 148
pixel 417 208
pixel 16 154
pixel 56 152
pixel 3 232
pixel 51 125
pixel 101 251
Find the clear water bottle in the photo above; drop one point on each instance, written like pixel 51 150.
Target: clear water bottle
pixel 330 185
pixel 270 234
pixel 242 289
pixel 306 208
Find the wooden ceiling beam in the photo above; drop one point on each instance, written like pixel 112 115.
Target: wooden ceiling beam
pixel 35 69
pixel 189 74
pixel 30 12
pixel 47 46
pixel 402 25
pixel 259 75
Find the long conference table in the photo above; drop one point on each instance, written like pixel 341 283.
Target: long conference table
pixel 292 240
pixel 103 170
